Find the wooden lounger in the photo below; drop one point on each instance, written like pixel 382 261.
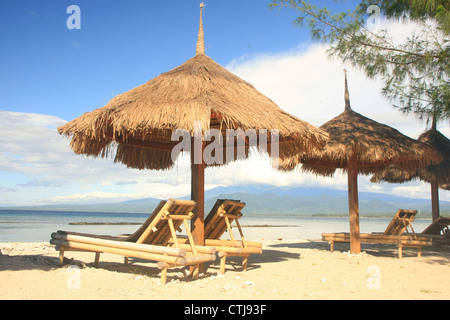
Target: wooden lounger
pixel 439 227
pixel 399 232
pixel 219 220
pixel 149 242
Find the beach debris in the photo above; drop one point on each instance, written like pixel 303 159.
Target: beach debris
pixel 229 287
pixel 361 254
pixel 249 283
pixel 323 280
pixel 218 276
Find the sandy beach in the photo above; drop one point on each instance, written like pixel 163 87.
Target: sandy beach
pixel 294 269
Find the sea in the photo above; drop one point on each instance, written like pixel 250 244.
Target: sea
pixel 37 226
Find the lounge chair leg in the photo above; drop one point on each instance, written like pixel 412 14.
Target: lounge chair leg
pixel 222 264
pixel 61 257
pixel 125 261
pixel 400 252
pixel 419 252
pixel 195 271
pixel 244 263
pixel 163 276
pixel 331 246
pixel 97 259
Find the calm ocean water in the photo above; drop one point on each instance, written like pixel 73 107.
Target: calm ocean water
pixel 37 226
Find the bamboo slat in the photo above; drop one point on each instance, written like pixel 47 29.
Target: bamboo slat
pixel 176 261
pixel 192 260
pixel 122 244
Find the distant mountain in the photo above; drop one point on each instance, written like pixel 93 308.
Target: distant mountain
pixel 266 199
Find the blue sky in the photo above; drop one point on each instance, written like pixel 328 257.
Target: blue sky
pixel 51 74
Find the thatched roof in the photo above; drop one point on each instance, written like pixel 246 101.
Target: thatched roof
pixel 375 145
pixel 441 144
pixel 142 120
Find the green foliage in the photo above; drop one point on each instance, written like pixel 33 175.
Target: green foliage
pixel 415 72
pixel 416 10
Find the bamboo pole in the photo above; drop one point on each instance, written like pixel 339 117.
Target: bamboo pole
pixel 241 233
pixel 199 249
pixel 223 261
pixel 172 231
pixel 97 259
pixel 226 243
pixel 175 260
pixel 122 244
pixel 176 217
pixel 191 240
pixel 193 260
pixel 230 231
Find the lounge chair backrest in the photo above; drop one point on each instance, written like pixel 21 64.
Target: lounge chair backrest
pixel 439 227
pixel 156 229
pixel 400 222
pixel 215 224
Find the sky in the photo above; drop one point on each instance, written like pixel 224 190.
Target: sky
pixel 51 74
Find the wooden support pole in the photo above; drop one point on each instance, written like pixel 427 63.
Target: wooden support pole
pixel 223 261
pixel 97 259
pixel 352 171
pixel 244 263
pixel 434 197
pixel 164 276
pixel 198 190
pixel 61 257
pixel 191 239
pixel 230 231
pixel 244 242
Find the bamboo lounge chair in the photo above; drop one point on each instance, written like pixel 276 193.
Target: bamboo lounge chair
pixel 219 220
pixel 149 242
pixel 439 231
pixel 439 227
pixel 396 233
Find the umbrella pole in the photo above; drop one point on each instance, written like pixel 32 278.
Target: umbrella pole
pixel 198 191
pixel 434 197
pixel 352 172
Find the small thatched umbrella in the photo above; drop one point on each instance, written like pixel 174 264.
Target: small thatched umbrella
pixel 360 145
pixel 138 125
pixel 438 175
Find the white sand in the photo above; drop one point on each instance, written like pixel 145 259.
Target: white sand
pixel 286 270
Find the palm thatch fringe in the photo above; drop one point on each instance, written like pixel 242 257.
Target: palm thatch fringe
pixel 374 144
pixel 199 90
pixel 441 171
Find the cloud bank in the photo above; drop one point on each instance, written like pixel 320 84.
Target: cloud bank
pixel 38 167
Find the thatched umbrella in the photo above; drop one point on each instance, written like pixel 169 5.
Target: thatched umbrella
pixel 196 96
pixel 438 175
pixel 360 145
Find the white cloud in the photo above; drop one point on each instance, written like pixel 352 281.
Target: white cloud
pixel 94 197
pixel 303 81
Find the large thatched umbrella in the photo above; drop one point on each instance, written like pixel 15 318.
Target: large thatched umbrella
pixel 197 96
pixel 438 175
pixel 360 145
